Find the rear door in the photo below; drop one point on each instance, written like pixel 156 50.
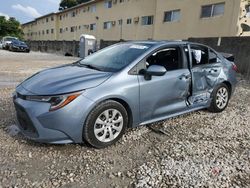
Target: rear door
pixel 206 68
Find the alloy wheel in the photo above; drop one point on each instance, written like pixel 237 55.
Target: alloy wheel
pixel 222 98
pixel 108 125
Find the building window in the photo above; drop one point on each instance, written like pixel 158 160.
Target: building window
pixel 108 4
pixel 172 16
pixel 47 31
pixel 107 25
pixel 129 21
pixel 93 8
pixel 66 29
pixel 72 29
pixel 208 11
pixel 120 22
pixel 147 20
pixel 60 17
pixel 61 30
pixel 121 1
pixel 92 27
pixel 52 18
pixel 73 14
pixel 47 19
pixel 52 31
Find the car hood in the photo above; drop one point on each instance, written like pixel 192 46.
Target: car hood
pixel 21 45
pixel 64 79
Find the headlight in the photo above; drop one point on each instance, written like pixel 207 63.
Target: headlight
pixel 56 102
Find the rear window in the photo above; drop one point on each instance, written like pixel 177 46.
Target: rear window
pixel 213 57
pixel 199 55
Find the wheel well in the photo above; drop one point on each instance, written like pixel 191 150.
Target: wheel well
pixel 229 87
pixel 128 109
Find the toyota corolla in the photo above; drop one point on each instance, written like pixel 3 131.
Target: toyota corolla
pixel 123 86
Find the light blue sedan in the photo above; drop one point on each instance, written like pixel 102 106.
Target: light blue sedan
pixel 125 85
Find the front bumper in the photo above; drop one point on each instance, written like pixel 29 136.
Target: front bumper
pixel 20 49
pixel 62 126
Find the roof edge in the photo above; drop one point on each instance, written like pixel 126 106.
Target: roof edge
pixel 63 11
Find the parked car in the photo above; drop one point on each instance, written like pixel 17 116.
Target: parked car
pixel 19 46
pixel 125 85
pixel 7 41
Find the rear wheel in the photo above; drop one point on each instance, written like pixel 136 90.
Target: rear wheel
pixel 105 124
pixel 220 98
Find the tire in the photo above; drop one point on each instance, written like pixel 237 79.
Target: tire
pixel 220 98
pixel 98 127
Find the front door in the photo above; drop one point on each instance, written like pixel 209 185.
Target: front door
pixel 206 68
pixel 164 95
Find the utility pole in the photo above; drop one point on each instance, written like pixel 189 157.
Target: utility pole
pixel 121 22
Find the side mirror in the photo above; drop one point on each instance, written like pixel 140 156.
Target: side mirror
pixel 154 70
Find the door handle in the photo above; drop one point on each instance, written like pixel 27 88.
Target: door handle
pixel 213 70
pixel 185 76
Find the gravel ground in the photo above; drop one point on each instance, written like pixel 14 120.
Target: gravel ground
pixel 199 149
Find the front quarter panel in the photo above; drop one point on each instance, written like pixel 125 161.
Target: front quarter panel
pixel 120 86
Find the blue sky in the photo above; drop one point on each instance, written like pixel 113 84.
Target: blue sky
pixel 27 10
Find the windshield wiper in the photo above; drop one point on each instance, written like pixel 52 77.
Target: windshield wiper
pixel 90 66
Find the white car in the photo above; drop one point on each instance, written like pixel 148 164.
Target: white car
pixel 7 41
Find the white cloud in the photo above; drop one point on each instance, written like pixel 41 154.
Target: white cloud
pixel 6 15
pixel 29 11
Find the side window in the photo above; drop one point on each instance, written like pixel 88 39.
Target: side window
pixel 170 58
pixel 213 58
pixel 199 55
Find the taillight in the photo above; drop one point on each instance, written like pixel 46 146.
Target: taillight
pixel 234 67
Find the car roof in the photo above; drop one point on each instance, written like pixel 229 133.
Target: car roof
pixel 166 42
pixel 159 43
pixel 10 37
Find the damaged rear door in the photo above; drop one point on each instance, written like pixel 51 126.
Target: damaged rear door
pixel 205 69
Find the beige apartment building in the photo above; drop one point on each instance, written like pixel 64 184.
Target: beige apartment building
pixel 143 20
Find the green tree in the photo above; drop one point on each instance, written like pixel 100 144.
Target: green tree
pixel 10 27
pixel 70 3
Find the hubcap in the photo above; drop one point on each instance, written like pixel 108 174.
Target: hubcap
pixel 222 98
pixel 108 125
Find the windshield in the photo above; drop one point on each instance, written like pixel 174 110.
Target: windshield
pixel 18 42
pixel 115 58
pixel 9 39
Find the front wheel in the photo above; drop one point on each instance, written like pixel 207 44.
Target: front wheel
pixel 105 124
pixel 220 98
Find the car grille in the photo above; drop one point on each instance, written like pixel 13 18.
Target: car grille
pixel 25 122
